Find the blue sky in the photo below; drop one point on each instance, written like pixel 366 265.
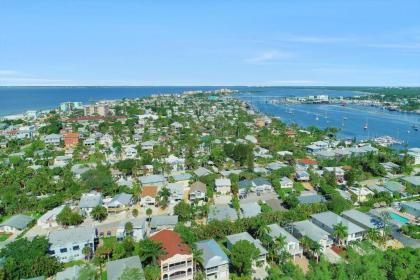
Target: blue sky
pixel 229 42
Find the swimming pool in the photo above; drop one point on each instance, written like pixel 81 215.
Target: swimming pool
pixel 398 218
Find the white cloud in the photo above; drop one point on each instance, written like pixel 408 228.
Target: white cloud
pixel 8 72
pixel 269 56
pixel 402 46
pixel 318 39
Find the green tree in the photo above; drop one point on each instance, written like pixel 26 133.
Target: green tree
pixel 99 213
pixel 340 232
pixel 150 251
pixel 183 210
pixel 152 272
pixel 243 254
pixel 28 259
pixel 69 218
pixel 131 274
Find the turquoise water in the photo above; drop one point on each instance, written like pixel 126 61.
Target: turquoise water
pixel 398 218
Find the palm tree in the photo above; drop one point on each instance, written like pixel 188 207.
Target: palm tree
pixel 262 230
pixel 198 256
pixel 316 249
pixel 150 251
pixel 87 251
pixel 128 228
pixel 149 212
pixel 340 232
pixel 163 196
pixel 373 235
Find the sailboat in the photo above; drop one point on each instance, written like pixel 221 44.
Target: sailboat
pixel 366 125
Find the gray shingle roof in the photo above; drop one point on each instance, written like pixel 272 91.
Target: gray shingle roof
pixel 330 219
pixel 222 212
pixel 310 230
pixel 70 273
pixel 18 221
pixel 163 220
pixel 82 234
pixel 123 198
pixel 246 236
pixel 115 269
pixel 213 255
pixel 362 219
pixel 276 231
pixel 152 179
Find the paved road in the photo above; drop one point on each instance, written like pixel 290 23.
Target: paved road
pixel 405 240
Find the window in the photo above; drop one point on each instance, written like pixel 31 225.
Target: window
pixel 108 233
pixel 75 248
pixel 63 250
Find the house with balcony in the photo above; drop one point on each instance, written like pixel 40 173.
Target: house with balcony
pixel 197 191
pixel 308 229
pixel 223 186
pixel 53 139
pixel 88 201
pixel 67 244
pixel 286 183
pixel 292 245
pixel 162 222
pixel 327 220
pixel 177 261
pixel 363 220
pixel 215 261
pixel 148 196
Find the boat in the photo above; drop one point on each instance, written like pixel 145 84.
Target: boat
pixel 415 127
pixel 366 125
pixel 345 118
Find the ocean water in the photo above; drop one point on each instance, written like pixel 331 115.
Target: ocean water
pixel 14 100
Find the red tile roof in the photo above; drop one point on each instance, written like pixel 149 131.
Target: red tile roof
pixel 171 243
pixel 308 161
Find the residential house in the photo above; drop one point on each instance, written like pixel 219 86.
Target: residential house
pixel 310 197
pixel 234 238
pixel 88 201
pixel 153 180
pixel 302 175
pixel 362 193
pixel 215 261
pixel 89 142
pixel 163 222
pixel 130 152
pixel 411 207
pixel 177 262
pixel 177 192
pixel 413 181
pixel 221 213
pixel 67 244
pixel 53 139
pixel 114 269
pixel 120 202
pixel 176 164
pixel 415 153
pixel 71 139
pixel 394 186
pixel 61 161
pixel 16 223
pixel 201 171
pixel 338 172
pixel 250 209
pixel 327 220
pixel 70 273
pixel 363 220
pixel 292 245
pixel 148 196
pixel 148 145
pixel 183 179
pixel 49 219
pixel 286 183
pixel 223 186
pixel 308 163
pixel 313 232
pixel 197 191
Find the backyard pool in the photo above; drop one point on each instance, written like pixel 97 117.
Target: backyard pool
pixel 398 218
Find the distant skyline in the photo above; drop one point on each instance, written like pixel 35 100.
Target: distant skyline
pixel 221 43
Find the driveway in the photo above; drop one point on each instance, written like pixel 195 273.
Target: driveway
pixel 332 256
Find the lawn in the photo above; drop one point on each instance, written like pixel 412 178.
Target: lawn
pixel 4 236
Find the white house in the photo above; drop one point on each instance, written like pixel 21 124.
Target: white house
pixel 223 185
pixel 286 183
pixel 292 245
pixel 327 220
pixel 67 244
